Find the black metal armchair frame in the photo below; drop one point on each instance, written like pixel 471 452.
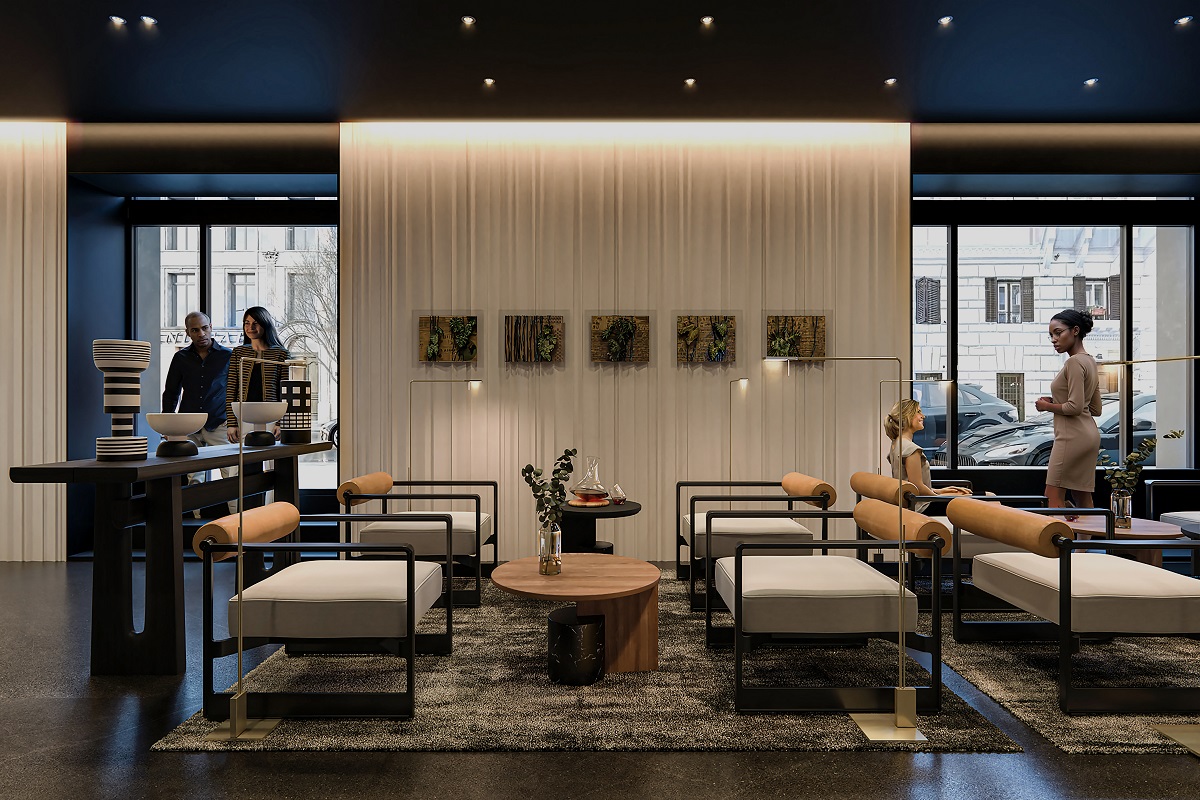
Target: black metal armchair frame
pixel 764 699
pixel 463 598
pixel 1074 699
pixel 392 705
pixel 683 571
pixel 695 601
pixel 1153 487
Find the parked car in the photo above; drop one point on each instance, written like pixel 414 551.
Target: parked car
pixel 1028 443
pixel 329 432
pixel 976 409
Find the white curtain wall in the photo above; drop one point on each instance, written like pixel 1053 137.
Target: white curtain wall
pixel 660 219
pixel 33 305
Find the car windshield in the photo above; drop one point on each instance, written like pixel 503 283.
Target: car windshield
pixel 1108 413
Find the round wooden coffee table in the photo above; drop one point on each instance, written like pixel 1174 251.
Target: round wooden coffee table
pixel 1092 527
pixel 623 590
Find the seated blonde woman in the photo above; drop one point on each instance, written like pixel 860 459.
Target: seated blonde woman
pixel 907 458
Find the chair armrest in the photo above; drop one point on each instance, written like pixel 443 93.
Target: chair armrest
pixel 1155 484
pixel 942 484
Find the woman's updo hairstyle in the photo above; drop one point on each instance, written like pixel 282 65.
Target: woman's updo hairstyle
pixel 1076 319
pixel 901 418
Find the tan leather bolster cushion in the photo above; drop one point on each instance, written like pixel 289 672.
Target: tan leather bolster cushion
pixel 883 521
pixel 799 485
pixel 881 487
pixel 1032 532
pixel 266 524
pixel 375 483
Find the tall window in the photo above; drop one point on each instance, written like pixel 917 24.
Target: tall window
pixel 1005 302
pixel 242 266
pixel 181 297
pixel 241 292
pixel 1010 277
pixel 300 238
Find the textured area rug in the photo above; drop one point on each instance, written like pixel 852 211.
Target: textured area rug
pixel 493 694
pixel 1023 678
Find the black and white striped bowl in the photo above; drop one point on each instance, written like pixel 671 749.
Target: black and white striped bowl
pixel 120 448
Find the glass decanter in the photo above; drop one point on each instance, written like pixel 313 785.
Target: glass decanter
pixel 589 488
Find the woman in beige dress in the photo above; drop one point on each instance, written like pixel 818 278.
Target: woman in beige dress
pixel 1074 400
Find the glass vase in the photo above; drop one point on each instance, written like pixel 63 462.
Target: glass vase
pixel 1121 503
pixel 550 549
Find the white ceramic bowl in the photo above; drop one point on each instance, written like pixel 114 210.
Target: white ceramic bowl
pixel 177 424
pixel 261 412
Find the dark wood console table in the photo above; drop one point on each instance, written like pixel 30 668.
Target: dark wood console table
pixel 159 649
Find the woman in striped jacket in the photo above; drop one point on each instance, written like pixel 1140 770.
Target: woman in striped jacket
pixel 260 339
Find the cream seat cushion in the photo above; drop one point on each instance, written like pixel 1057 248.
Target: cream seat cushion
pixel 729 533
pixel 1109 594
pixel 429 538
pixel 337 600
pixel 819 594
pixel 1189 521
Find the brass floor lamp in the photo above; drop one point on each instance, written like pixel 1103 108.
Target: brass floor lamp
pixel 902 724
pixel 240 727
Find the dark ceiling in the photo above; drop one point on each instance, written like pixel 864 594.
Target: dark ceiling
pixel 327 60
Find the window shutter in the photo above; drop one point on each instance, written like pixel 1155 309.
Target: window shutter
pixel 928 301
pixel 1079 284
pixel 1027 300
pixel 989 300
pixel 1114 297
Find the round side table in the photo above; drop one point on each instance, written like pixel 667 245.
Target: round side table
pixel 579 525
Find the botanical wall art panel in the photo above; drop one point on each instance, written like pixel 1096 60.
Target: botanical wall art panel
pixel 533 339
pixel 706 339
pixel 448 338
pixel 620 337
pixel 796 337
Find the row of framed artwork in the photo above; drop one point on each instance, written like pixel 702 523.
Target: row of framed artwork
pixel 614 338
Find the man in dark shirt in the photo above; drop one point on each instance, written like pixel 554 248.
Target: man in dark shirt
pixel 199 371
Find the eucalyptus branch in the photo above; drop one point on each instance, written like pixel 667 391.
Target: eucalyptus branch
pixel 550 492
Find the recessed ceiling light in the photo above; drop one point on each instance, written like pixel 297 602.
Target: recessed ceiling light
pixel 149 20
pixel 468 20
pixel 489 82
pixel 706 20
pixel 946 20
pixel 1183 20
pixel 890 82
pixel 115 20
pixel 689 82
pixel 1091 81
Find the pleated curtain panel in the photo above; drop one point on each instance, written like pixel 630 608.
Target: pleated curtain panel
pixel 33 347
pixel 645 218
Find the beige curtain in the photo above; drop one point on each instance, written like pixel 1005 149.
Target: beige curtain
pixel 33 305
pixel 646 218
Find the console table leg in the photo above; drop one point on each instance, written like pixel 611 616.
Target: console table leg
pixel 163 645
pixel 112 583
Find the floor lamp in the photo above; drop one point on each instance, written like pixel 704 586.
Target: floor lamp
pixel 902 724
pixel 239 726
pixel 743 383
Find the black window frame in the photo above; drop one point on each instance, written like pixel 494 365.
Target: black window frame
pixel 1123 214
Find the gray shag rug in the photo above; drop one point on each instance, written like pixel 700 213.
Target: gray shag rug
pixel 1023 678
pixel 493 694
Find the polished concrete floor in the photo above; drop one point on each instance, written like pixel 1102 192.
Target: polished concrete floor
pixel 66 734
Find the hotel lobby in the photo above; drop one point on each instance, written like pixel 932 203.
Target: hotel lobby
pixel 709 252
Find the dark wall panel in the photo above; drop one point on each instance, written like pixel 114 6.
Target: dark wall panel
pixel 96 309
